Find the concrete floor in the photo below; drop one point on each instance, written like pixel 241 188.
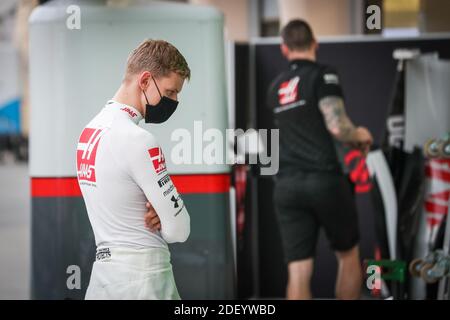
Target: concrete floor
pixel 15 226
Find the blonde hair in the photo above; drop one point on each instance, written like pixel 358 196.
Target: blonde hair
pixel 158 57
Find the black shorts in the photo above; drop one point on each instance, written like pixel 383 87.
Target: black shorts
pixel 305 202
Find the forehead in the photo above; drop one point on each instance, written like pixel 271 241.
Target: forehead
pixel 172 81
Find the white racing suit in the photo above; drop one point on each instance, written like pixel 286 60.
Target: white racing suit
pixel 120 166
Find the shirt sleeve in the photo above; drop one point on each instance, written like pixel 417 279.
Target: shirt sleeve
pixel 271 96
pixel 328 84
pixel 147 167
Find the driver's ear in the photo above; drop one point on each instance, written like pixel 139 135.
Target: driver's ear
pixel 144 80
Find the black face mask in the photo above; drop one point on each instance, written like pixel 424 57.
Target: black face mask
pixel 160 112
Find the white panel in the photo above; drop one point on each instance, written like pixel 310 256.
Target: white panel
pixel 9 75
pixel 427 100
pixel 379 168
pixel 74 72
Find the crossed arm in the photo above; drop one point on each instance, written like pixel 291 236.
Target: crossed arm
pixel 165 208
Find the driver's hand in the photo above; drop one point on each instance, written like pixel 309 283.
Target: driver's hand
pixel 151 218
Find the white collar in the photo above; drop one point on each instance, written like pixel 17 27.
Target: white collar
pixel 129 111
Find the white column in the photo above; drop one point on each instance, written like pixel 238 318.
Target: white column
pixel 326 17
pixel 236 12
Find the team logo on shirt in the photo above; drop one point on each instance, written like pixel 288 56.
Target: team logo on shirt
pixel 288 91
pixel 330 78
pixel 129 111
pixel 158 160
pixel 169 190
pixel 163 181
pixel 87 152
pixel 177 203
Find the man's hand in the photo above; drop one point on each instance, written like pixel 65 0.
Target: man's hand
pixel 363 139
pixel 151 218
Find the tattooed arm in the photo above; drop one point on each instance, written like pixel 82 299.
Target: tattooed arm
pixel 336 118
pixel 340 125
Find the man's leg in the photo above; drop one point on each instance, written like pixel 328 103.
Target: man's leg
pixel 300 273
pixel 349 278
pixel 299 232
pixel 336 211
